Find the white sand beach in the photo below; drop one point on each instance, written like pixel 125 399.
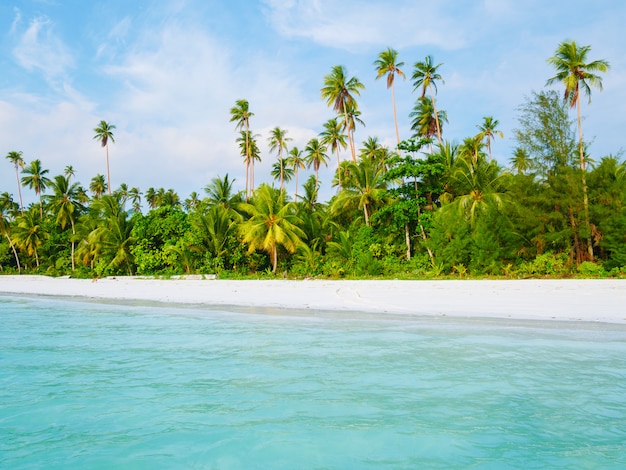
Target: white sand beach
pixel 570 300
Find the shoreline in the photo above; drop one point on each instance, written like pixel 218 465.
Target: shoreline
pixel 594 300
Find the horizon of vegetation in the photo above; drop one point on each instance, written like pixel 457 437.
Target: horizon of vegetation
pixel 427 208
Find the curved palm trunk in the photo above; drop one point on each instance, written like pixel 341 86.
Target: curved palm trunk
pixel 17 259
pixel 108 171
pixel 274 258
pixel 365 212
pixel 350 134
pixel 296 183
pixel 436 118
pixel 395 114
pixel 73 235
pixel 19 190
pixel 338 166
pixel 584 181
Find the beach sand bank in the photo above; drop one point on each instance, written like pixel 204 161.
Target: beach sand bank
pixel 570 300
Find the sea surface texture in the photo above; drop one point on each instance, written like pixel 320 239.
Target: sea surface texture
pixel 102 385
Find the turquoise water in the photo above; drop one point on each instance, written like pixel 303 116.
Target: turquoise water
pixel 132 386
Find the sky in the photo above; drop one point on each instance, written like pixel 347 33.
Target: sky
pixel 167 72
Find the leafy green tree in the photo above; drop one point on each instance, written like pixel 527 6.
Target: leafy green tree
pixel 36 180
pixel 387 65
pixel 426 76
pixel 104 133
pixel 271 222
pixel 18 162
pixel 278 143
pixel 240 114
pixel 64 204
pixel 28 233
pixel 333 137
pixel 574 72
pixel 488 131
pixel 339 91
pixel 316 156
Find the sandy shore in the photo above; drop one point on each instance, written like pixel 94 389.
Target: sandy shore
pixel 571 300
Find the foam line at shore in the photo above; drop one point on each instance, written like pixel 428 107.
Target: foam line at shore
pixel 566 300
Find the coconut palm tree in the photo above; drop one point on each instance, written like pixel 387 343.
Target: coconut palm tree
pixel 69 171
pixel 348 123
pixel 427 122
pixel 315 157
pixel 28 234
pixel 18 162
pixel 220 193
pixel 339 92
pixel 333 137
pixel 278 142
pixel 272 223
pixel 64 203
pixel 488 132
pixel 104 133
pixel 520 161
pixel 387 65
pixel 98 186
pixel 250 152
pixel 240 114
pixel 425 76
pixel 574 72
pixel 297 162
pixel 135 198
pixel 282 172
pixel 36 180
pixel 6 210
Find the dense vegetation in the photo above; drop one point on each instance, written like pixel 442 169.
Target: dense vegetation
pixel 428 208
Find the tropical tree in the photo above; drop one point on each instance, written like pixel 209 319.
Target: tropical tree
pixel 28 233
pixel 282 172
pixel 425 76
pixel 69 171
pixel 104 133
pixel 98 186
pixel 18 162
pixel 333 137
pixel 6 210
pixel 36 180
pixel 64 203
pixel 135 198
pixel 574 72
pixel 113 240
pixel 220 192
pixel 297 162
pixel 278 142
pixel 250 152
pixel 488 132
pixel 272 223
pixel 339 91
pixel 426 122
pixel 387 65
pixel 316 156
pixel 348 123
pixel 240 114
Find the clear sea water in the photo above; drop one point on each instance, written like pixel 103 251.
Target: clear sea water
pixel 104 385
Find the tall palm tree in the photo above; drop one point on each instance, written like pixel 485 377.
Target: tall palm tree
pixel 64 203
pixel 36 180
pixel 135 198
pixel 297 162
pixel 250 152
pixel 98 186
pixel 520 161
pixel 281 171
pixel 28 233
pixel 426 122
pixel 240 114
pixel 18 162
pixel 220 192
pixel 348 123
pixel 387 65
pixel 333 137
pixel 574 72
pixel 6 209
pixel 104 133
pixel 278 142
pixel 488 132
pixel 425 76
pixel 339 92
pixel 272 223
pixel 316 156
pixel 69 171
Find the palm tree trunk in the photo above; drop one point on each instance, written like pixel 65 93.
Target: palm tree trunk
pixel 584 181
pixel 296 183
pixel 108 171
pixel 430 253
pixel 338 166
pixel 367 217
pixel 73 235
pixel 407 239
pixel 395 114
pixel 436 118
pixel 17 259
pixel 350 136
pixel 274 258
pixel 19 190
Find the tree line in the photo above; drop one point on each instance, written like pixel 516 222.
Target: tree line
pixel 428 207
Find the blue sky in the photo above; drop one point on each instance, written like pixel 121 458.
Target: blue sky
pixel 167 72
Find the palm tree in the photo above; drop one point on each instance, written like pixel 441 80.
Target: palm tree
pixel 240 114
pixel 17 160
pixel 520 161
pixel 426 120
pixel 220 192
pixel 151 198
pixel 278 141
pixel 28 234
pixel 64 202
pixel 297 162
pixel 348 123
pixel 387 64
pixel 98 186
pixel 425 76
pixel 333 137
pixel 272 223
pixel 36 180
pixel 135 198
pixel 316 156
pixel 104 133
pixel 339 92
pixel 6 209
pixel 574 72
pixel 69 171
pixel 250 152
pixel 281 171
pixel 488 132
